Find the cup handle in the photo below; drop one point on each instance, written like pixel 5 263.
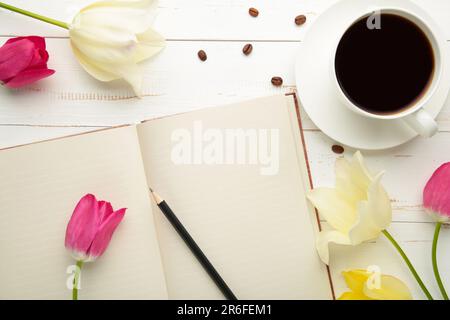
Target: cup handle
pixel 421 122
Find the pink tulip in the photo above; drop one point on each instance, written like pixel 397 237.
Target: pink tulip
pixel 23 60
pixel 91 227
pixel 436 195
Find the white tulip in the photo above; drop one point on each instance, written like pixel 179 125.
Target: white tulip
pixel 109 39
pixel 358 209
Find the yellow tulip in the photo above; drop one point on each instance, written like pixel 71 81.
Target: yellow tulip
pixel 364 285
pixel 358 208
pixel 109 38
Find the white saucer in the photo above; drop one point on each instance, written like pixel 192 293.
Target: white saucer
pixel 318 95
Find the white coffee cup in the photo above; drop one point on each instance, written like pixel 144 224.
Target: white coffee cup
pixel 415 116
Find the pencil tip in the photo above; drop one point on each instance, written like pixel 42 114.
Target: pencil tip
pixel 156 196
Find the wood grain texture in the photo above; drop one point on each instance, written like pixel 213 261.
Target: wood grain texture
pixel 206 19
pixel 176 81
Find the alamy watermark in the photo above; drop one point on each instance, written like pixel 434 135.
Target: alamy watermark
pixel 233 146
pixel 374 21
pixel 73 271
pixel 373 282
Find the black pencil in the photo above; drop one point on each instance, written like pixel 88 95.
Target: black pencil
pixel 195 249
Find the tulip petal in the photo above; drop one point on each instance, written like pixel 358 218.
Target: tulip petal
pixel 39 42
pixel 374 215
pixel 135 4
pixel 110 37
pixel 40 59
pixel 136 20
pixel 121 50
pixel 137 16
pixel 99 35
pixel 352 178
pixel 150 43
pixel 391 288
pixel 133 75
pixel 104 234
pixel 353 296
pixel 83 225
pixel 436 194
pixel 28 77
pixel 105 209
pixel 324 238
pixel 383 287
pixel 355 279
pixel 339 213
pixel 93 68
pixel 107 72
pixel 379 203
pixel 364 228
pixel 14 58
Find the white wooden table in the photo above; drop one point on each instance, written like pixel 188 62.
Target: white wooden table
pixel 176 80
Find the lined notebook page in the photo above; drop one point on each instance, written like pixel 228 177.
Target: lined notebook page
pixel 256 229
pixel 41 184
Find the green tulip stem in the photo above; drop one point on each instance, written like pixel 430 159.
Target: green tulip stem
pixel 76 280
pixel 409 264
pixel 34 15
pixel 434 260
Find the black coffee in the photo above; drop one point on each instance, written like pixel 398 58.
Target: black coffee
pixel 384 70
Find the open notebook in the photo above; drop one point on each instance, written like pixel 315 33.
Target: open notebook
pixel 248 214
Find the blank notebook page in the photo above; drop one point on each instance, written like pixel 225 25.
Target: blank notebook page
pixel 41 184
pixel 257 230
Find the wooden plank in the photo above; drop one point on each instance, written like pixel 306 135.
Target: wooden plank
pixel 225 20
pixel 206 19
pixel 175 81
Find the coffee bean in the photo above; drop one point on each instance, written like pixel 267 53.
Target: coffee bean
pixel 253 12
pixel 337 149
pixel 299 20
pixel 277 81
pixel 202 55
pixel 247 49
